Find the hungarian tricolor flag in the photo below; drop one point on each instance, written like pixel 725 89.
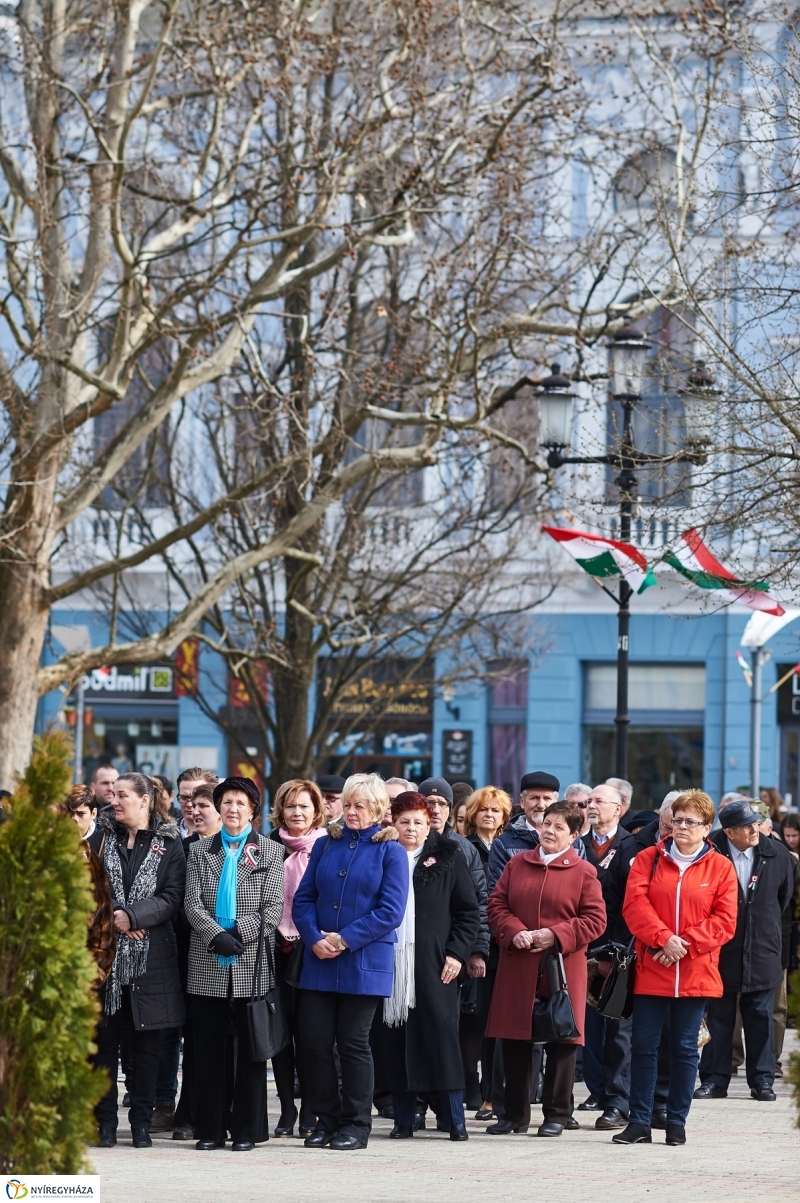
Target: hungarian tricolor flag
pixel 692 559
pixel 603 558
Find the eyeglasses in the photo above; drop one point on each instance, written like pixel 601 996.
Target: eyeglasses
pixel 582 805
pixel 679 822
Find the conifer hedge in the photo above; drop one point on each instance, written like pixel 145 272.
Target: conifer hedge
pixel 48 1009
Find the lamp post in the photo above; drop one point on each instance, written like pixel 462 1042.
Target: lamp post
pixel 628 354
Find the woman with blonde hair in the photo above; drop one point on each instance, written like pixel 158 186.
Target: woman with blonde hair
pixel 488 811
pixel 298 821
pixel 347 908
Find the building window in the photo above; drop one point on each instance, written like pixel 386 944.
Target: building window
pixel 666 704
pixel 658 420
pixel 508 724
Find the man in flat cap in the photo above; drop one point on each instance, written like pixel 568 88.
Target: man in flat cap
pixel 750 965
pixel 537 791
pixel 331 787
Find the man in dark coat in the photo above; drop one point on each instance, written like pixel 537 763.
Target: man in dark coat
pixel 750 964
pixel 607 1051
pixel 537 791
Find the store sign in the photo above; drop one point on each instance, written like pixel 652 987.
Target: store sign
pixel 142 681
pixel 788 695
pixel 383 690
pixel 457 755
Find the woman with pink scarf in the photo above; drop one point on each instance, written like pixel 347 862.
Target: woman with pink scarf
pixel 298 819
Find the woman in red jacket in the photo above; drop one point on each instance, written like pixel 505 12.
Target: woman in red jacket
pixel 680 904
pixel 546 898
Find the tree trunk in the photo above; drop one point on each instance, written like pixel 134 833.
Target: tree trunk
pixel 292 754
pixel 23 625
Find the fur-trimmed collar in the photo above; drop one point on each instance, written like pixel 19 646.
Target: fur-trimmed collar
pixel 336 832
pixel 165 831
pixel 438 854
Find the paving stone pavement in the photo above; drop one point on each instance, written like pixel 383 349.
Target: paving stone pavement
pixel 738 1151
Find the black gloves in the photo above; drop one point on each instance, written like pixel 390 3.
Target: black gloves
pixel 226 944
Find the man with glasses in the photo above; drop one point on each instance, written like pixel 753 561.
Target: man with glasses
pixel 750 964
pixel 625 790
pixel 578 795
pixel 331 786
pixel 607 1048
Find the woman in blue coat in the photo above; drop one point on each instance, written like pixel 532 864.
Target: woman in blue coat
pixel 347 908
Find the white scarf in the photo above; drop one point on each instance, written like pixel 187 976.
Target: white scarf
pixel 404 998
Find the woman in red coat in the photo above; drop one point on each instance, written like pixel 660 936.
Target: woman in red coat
pixel 546 898
pixel 681 904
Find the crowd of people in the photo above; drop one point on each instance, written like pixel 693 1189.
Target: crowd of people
pixel 422 948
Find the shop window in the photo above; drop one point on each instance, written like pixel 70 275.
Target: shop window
pixel 660 759
pixel 666 706
pixel 658 418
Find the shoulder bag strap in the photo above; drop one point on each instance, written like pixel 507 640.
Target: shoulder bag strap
pixel 561 972
pixel 260 952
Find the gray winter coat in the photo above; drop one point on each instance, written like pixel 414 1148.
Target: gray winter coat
pixel 259 883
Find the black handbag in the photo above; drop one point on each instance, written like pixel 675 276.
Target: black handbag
pixel 266 1022
pixel 615 1000
pixel 294 966
pixel 553 1017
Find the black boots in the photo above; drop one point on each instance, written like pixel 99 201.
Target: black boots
pixel 634 1134
pixel 141 1138
pixel 106 1136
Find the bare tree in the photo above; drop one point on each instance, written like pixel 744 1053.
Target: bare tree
pixel 363 204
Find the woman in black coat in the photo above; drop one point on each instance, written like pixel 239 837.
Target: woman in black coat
pixel 419 1038
pixel 146 872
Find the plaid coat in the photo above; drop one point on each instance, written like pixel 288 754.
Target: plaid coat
pixel 259 882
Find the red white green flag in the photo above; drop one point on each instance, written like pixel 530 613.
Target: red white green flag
pixel 603 558
pixel 693 560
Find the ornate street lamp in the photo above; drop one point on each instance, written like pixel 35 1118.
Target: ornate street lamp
pixel 700 405
pixel 628 352
pixel 628 361
pixel 556 398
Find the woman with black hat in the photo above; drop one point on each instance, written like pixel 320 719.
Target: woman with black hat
pixel 234 885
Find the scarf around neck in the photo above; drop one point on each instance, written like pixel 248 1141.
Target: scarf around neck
pixel 404 996
pixel 294 867
pixel 225 905
pixel 130 958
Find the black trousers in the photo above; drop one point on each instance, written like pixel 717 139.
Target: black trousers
pixel 327 1018
pixel 290 1059
pixel 759 1041
pixel 559 1075
pixel 144 1052
pixel 243 1110
pixel 607 1059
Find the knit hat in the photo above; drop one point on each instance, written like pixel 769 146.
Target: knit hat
pixel 241 783
pixel 436 787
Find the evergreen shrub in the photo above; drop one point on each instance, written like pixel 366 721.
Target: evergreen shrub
pixel 48 1008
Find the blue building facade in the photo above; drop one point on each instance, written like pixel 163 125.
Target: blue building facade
pixel 690 707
